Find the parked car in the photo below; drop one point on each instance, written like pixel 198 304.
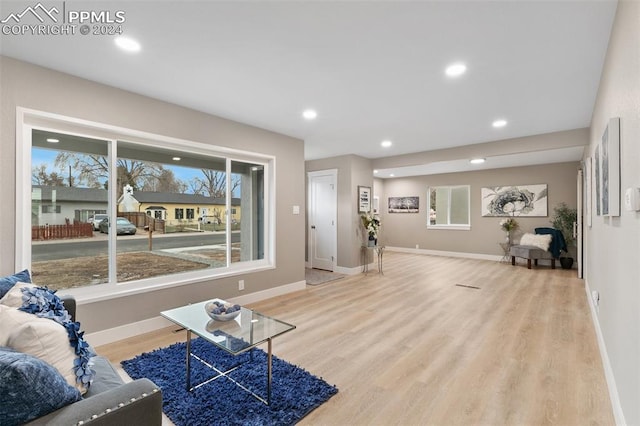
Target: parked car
pixel 96 219
pixel 123 226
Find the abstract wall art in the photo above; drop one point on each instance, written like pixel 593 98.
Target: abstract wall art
pixel 515 200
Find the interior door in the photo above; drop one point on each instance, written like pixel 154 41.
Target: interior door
pixel 323 208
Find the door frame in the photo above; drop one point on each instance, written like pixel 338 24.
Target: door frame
pixel 310 175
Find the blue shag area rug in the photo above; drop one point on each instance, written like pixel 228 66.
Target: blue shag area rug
pixel 294 391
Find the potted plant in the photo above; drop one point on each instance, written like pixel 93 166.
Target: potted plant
pixel 563 219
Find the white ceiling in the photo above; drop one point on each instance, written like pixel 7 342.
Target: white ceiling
pixel 372 70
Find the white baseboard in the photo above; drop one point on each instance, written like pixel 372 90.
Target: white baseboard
pixel 350 271
pixel 446 253
pixel 114 334
pixel 616 406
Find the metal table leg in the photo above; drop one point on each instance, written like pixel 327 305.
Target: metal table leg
pixel 269 372
pixel 188 360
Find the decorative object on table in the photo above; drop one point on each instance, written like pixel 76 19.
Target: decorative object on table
pixel 294 395
pixel 609 169
pixel 404 204
pixel 564 219
pixel 521 200
pixel 220 310
pixel 364 199
pixel 509 225
pixel 371 224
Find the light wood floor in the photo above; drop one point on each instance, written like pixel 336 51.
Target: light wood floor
pixel 412 348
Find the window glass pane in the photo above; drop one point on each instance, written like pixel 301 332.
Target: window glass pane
pixel 66 248
pixel 460 205
pixel 160 211
pixel 449 206
pixel 247 211
pixel 442 206
pixel 155 188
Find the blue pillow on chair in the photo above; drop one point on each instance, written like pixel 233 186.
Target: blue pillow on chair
pixel 30 388
pixel 6 283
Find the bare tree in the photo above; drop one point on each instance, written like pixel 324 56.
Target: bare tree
pixel 195 186
pixel 166 181
pixel 94 169
pixel 41 176
pixel 214 183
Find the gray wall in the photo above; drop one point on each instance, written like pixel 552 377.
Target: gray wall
pixel 613 244
pixel 29 86
pixel 352 171
pixel 409 229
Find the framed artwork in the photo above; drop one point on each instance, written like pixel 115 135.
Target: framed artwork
pixel 610 169
pixel 517 200
pixel 596 178
pixel 364 199
pixel 588 199
pixel 404 204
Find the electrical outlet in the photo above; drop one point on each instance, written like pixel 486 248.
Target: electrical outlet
pixel 241 285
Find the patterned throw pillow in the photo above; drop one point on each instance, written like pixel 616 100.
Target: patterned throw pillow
pixel 7 282
pixel 43 328
pixel 30 388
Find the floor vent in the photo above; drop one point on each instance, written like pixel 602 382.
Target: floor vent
pixel 468 286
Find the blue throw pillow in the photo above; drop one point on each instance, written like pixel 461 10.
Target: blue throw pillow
pixel 30 388
pixel 7 282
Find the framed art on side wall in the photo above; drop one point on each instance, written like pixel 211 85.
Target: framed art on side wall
pixel 610 169
pixel 588 179
pixel 364 199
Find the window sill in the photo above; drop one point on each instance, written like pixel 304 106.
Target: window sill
pixel 84 295
pixel 450 227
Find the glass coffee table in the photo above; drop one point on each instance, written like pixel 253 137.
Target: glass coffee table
pixel 239 335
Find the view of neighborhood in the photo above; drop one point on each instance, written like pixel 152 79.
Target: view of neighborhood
pixel 170 219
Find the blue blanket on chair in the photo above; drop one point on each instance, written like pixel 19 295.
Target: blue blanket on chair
pixel 558 244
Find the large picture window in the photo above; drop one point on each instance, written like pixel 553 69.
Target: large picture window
pixel 172 210
pixel 449 207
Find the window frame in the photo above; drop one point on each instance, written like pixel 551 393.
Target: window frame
pixel 28 120
pixel 449 225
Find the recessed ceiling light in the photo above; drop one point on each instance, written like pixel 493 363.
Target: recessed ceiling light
pixel 309 114
pixel 477 160
pixel 456 70
pixel 499 123
pixel 375 171
pixel 392 175
pixel 176 158
pixel 386 144
pixel 127 44
pixel 52 140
